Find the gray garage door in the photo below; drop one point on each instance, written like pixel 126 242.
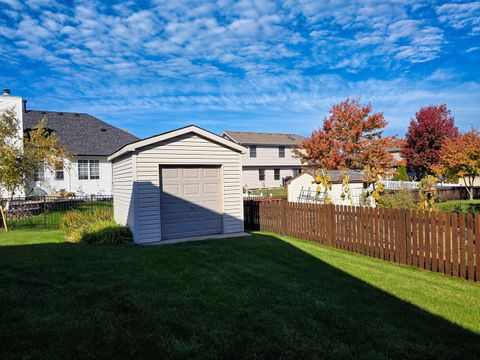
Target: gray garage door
pixel 191 201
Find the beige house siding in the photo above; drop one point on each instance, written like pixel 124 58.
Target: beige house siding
pixel 122 172
pixel 251 176
pixel 187 149
pixel 268 156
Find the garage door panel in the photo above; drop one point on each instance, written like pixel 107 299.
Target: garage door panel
pixel 170 173
pixel 171 189
pixel 211 188
pixel 191 173
pixel 212 172
pixel 191 202
pixel 212 224
pixel 191 189
pixel 211 205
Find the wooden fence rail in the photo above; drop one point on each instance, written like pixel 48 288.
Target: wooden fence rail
pixel 448 243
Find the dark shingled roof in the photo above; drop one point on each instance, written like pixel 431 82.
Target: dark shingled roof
pixel 252 138
pixel 83 134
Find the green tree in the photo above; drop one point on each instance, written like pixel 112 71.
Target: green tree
pixel 401 174
pixel 21 155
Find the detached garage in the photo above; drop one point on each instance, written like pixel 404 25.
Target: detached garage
pixel 181 184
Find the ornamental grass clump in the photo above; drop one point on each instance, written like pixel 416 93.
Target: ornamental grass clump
pixel 94 227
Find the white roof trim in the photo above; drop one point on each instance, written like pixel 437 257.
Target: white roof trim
pixel 175 133
pixel 227 135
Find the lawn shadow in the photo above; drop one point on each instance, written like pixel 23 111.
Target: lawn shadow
pixel 253 297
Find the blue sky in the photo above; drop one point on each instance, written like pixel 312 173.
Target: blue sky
pixel 151 66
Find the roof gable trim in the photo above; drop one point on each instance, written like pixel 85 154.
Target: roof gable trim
pixel 176 133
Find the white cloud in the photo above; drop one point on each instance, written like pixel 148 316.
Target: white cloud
pixel 231 55
pixel 461 15
pixel 14 4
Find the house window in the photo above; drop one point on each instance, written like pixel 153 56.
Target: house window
pixel 261 174
pixel 82 169
pixel 59 175
pixel 253 151
pixel 88 169
pixel 296 171
pixel 39 174
pixel 276 174
pixel 281 151
pixel 94 169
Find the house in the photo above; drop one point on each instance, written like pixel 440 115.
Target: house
pixel 303 189
pixel 269 161
pixel 180 184
pixel 396 151
pixel 90 139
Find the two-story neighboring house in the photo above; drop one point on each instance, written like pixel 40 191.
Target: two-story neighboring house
pixel 91 141
pixel 269 159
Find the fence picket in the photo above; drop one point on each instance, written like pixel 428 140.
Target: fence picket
pixel 433 236
pixel 415 257
pixel 470 256
pixel 455 244
pixel 448 244
pixel 440 239
pixel 463 269
pixel 477 247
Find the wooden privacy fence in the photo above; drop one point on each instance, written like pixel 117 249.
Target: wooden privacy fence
pixel 448 243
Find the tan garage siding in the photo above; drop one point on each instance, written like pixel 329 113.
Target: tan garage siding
pixel 122 190
pixel 188 149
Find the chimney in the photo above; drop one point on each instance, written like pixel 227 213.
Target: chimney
pixel 6 92
pixel 24 103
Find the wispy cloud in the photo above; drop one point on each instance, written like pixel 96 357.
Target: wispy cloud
pixel 231 57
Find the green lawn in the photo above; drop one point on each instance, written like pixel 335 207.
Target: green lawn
pixel 467 206
pixel 267 191
pixel 256 297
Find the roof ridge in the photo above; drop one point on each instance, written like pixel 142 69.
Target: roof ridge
pixel 260 132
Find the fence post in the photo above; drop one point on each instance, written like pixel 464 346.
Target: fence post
pixel 45 211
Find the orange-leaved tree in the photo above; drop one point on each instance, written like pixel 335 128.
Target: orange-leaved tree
pixel 351 139
pixel 460 157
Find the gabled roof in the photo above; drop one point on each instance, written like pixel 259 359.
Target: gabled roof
pixel 82 133
pixel 355 176
pixel 254 138
pixel 175 133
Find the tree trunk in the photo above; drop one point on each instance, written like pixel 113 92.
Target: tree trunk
pixel 469 186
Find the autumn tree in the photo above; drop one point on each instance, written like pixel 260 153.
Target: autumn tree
pixel 21 154
pixel 425 136
pixel 460 157
pixel 351 138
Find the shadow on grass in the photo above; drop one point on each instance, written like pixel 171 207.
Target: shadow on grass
pixel 233 298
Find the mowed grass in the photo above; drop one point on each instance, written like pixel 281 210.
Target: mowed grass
pixel 466 206
pixel 261 296
pixel 267 191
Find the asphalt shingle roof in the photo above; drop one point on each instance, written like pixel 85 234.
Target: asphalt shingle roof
pixel 259 138
pixel 82 133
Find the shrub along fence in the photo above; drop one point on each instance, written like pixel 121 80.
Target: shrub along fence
pixel 448 243
pixel 46 212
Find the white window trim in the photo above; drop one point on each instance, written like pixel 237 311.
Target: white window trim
pixel 88 163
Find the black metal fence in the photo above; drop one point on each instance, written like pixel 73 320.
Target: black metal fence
pixel 46 212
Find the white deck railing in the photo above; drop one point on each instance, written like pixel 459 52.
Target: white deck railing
pixel 410 185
